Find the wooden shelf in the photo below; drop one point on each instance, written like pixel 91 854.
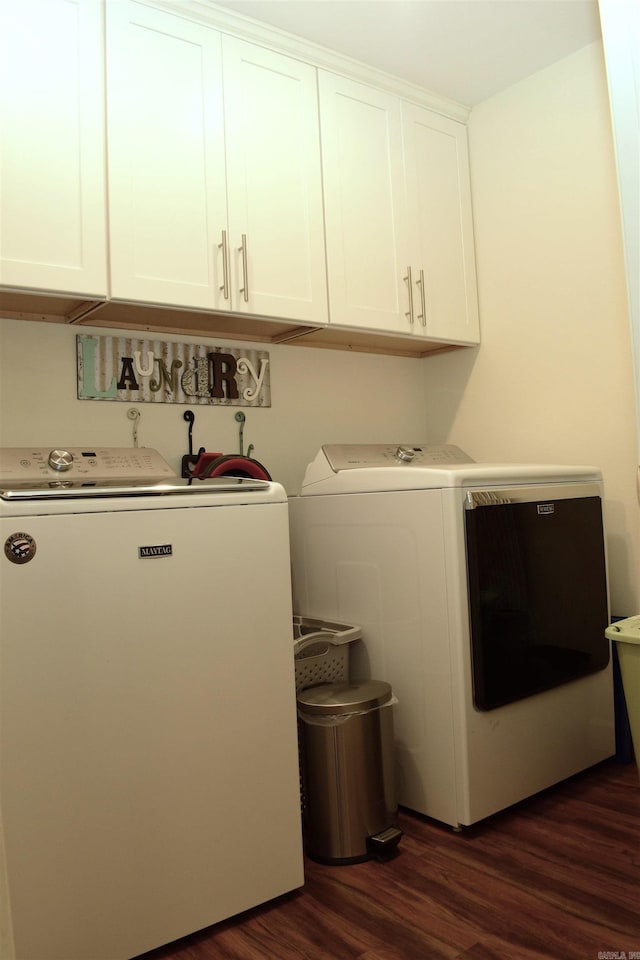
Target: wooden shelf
pixel 154 318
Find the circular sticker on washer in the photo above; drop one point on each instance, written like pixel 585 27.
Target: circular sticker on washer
pixel 20 547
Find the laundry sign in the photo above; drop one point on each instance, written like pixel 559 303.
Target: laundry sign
pixel 159 371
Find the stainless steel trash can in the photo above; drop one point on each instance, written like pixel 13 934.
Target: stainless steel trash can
pixel 348 782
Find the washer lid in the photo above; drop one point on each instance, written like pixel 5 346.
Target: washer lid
pixel 331 699
pixel 91 490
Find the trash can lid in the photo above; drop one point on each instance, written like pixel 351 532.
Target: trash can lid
pixel 331 699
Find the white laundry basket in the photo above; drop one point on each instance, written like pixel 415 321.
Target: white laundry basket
pixel 321 651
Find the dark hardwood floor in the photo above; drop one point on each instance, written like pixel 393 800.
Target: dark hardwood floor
pixel 556 877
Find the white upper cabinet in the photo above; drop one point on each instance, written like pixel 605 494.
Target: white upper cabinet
pixel 400 252
pixel 274 184
pixel 445 299
pixel 214 170
pixel 52 181
pixel 213 173
pixel 365 214
pixel 167 194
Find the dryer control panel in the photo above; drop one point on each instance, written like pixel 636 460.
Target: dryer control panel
pixel 344 456
pixel 19 464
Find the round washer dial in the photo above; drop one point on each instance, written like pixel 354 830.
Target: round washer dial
pixel 60 460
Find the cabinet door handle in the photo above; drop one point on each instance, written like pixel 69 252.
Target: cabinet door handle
pixel 422 317
pixel 225 265
pixel 409 282
pixel 244 289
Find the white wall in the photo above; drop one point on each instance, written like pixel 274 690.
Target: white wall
pixel 552 381
pixel 620 31
pixel 318 396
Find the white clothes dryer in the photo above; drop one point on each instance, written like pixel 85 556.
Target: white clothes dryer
pixel 482 596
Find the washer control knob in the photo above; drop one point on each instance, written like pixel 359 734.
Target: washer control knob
pixel 405 454
pixel 60 460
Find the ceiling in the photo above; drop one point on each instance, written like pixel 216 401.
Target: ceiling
pixel 466 50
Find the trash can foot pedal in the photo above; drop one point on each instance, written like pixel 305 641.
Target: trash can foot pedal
pixel 383 845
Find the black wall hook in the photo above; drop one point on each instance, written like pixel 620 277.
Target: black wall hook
pixel 190 417
pixel 190 459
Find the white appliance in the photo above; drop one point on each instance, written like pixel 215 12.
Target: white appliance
pixel 481 593
pixel 148 744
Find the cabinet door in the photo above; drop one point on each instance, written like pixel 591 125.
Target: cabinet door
pixel 274 184
pixel 367 254
pixel 52 188
pixel 167 196
pixel 441 230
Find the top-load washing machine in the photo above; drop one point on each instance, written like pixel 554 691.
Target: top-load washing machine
pixel 149 778
pixel 482 595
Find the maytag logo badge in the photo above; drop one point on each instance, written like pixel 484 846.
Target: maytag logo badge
pixel 544 508
pixel 160 550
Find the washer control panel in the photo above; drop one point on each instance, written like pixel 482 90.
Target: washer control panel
pixel 19 464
